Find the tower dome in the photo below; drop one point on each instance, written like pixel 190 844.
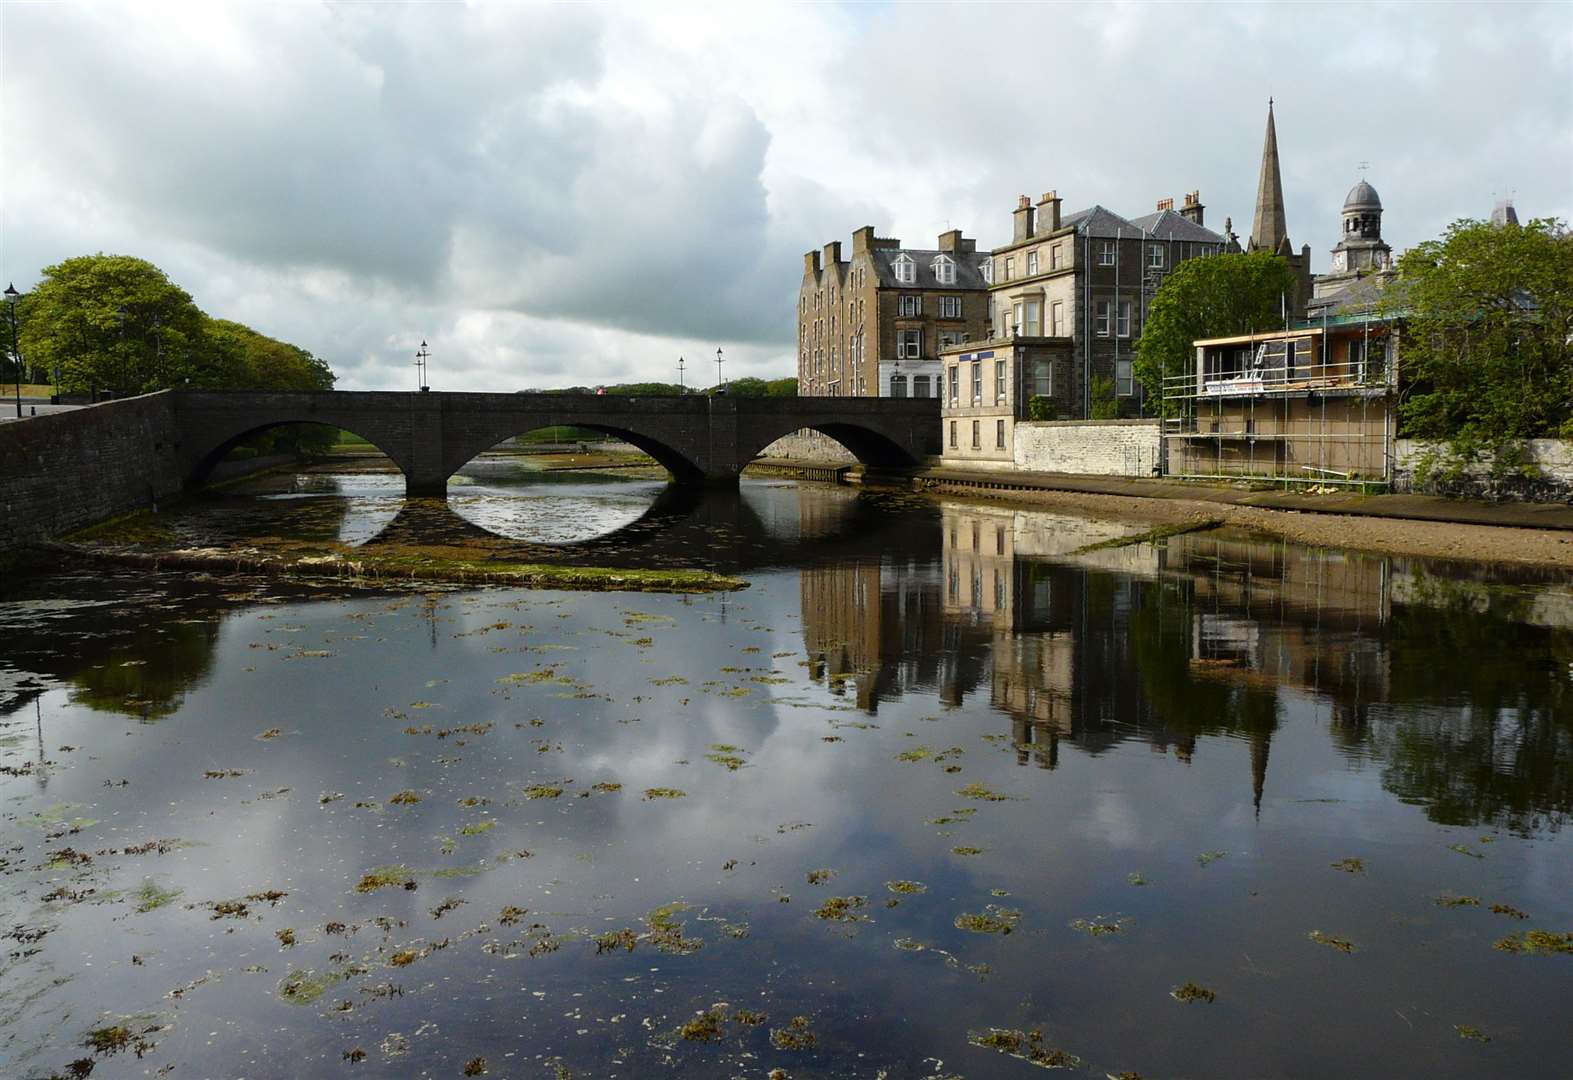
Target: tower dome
pixel 1362 197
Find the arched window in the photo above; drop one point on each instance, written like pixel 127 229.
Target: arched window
pixel 898 386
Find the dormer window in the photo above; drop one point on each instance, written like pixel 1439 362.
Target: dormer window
pixel 944 270
pixel 906 270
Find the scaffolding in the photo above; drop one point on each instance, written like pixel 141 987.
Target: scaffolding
pixel 1306 406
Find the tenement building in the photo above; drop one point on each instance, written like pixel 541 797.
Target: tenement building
pixel 873 325
pixel 1067 301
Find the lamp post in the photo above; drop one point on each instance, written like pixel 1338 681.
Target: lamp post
pixel 680 388
pixel 720 383
pixel 420 366
pixel 16 354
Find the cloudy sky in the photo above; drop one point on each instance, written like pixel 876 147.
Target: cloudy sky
pixel 578 194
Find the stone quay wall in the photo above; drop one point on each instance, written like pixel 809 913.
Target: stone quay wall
pixel 67 470
pixel 1089 447
pixel 1547 475
pixel 809 445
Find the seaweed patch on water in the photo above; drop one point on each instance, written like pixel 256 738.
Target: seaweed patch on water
pixel 962 849
pixel 1025 1046
pixel 1190 992
pixel 1449 901
pixel 542 791
pixel 1343 945
pixel 665 930
pixel 1509 910
pixel 386 877
pixel 820 876
pixel 1472 1033
pixel 664 793
pixel 304 986
pixel 983 794
pixel 1099 926
pixel 1350 865
pixel 150 896
pixel 993 919
pixel 797 1035
pixel 1532 942
pixel 1206 858
pixel 847 909
pixel 907 888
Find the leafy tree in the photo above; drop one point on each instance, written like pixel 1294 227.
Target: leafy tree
pixel 1202 298
pixel 1105 405
pixel 1487 347
pixel 113 322
pixel 238 357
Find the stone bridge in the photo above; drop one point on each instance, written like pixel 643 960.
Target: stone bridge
pixel 429 436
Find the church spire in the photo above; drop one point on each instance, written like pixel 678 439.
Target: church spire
pixel 1270 231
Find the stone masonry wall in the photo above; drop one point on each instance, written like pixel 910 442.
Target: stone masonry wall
pixel 809 445
pixel 1551 462
pixel 66 470
pixel 1089 447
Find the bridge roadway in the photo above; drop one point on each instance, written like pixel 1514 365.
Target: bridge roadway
pixel 429 436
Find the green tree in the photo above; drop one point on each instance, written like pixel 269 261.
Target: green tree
pixel 1487 347
pixel 1202 298
pixel 238 357
pixel 112 322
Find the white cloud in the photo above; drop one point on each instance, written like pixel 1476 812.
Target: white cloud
pixel 572 194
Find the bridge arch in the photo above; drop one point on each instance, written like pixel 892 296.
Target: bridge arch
pixel 205 460
pixel 867 440
pixel 684 469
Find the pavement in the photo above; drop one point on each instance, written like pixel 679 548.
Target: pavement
pixel 30 407
pixel 1397 506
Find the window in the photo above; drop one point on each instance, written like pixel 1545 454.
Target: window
pixel 1043 378
pixel 999 382
pixel 1155 257
pixel 986 268
pixel 1289 359
pixel 950 307
pixel 909 306
pixel 1122 326
pixel 1010 268
pixel 1057 319
pixel 906 269
pixel 977 387
pixel 999 435
pixel 920 386
pixel 955 397
pixel 944 271
pixel 976 445
pixel 1103 318
pixel 862 386
pixel 953 446
pixel 1031 326
pixel 1124 382
pixel 898 386
pixel 1032 262
pixel 1105 252
pixel 1018 313
pixel 1056 253
pixel 909 344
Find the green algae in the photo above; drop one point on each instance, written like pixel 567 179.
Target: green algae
pixel 1207 858
pixel 150 896
pixel 964 850
pixel 476 828
pixel 1509 910
pixel 664 793
pixel 907 888
pixel 542 791
pixel 1450 901
pixel 303 986
pixel 405 798
pixel 606 787
pixel 612 940
pixel 705 1026
pixel 1098 926
pixel 1350 865
pixel 820 876
pixel 1469 1031
pixel 797 1035
pixel 981 793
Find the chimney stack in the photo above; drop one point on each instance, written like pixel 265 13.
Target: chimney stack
pixel 1051 222
pixel 833 254
pixel 1023 219
pixel 811 263
pixel 1192 210
pixel 863 239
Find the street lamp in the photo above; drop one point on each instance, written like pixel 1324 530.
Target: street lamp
pixel 420 366
pixel 680 388
pixel 16 354
pixel 719 382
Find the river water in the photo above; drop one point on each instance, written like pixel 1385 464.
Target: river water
pixel 940 794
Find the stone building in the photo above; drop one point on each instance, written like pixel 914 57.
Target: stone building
pixel 1362 260
pixel 873 325
pixel 1067 300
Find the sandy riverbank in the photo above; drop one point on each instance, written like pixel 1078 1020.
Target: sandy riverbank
pixel 1425 539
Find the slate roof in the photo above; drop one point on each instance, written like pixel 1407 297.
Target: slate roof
pixel 1362 195
pixel 968 276
pixel 1161 225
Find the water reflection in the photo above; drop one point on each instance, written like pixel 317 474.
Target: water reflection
pixel 1206 635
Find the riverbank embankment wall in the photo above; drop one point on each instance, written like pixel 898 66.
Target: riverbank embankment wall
pixel 67 470
pixel 1545 473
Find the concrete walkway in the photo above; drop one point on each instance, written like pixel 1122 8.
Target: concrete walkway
pixel 1410 507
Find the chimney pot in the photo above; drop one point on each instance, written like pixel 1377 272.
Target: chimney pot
pixel 1023 203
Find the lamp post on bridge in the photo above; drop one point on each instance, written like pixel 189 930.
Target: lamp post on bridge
pixel 16 354
pixel 720 383
pixel 421 356
pixel 680 388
